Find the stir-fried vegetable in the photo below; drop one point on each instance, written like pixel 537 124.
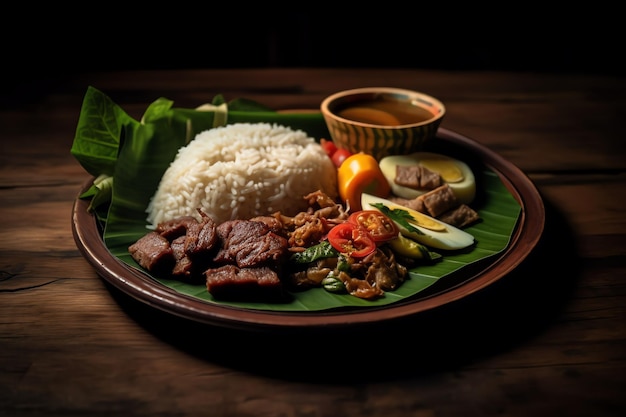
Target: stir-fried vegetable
pixel 410 248
pixel 313 253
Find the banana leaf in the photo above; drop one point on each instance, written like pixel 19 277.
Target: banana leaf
pixel 146 148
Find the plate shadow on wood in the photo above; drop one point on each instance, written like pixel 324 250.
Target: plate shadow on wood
pixel 491 321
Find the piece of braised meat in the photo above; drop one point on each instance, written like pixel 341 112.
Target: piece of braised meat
pixel 461 216
pixel 229 282
pixel 417 177
pixel 181 248
pixel 439 200
pixel 273 222
pixel 200 236
pixel 248 244
pixel 154 253
pixel 442 204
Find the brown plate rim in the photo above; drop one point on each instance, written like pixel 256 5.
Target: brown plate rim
pixel 145 289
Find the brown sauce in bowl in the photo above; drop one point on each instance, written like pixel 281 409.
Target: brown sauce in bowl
pixel 384 112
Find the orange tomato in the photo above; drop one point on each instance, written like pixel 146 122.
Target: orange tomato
pixel 360 173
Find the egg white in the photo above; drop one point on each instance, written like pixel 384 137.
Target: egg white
pixel 446 237
pixel 465 190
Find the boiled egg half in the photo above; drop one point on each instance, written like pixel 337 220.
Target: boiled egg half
pixel 418 226
pixel 457 174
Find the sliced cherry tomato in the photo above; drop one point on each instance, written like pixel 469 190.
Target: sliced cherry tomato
pixel 351 239
pixel 328 146
pixel 339 156
pixel 380 227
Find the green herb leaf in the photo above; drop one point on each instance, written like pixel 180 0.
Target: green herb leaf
pixel 313 253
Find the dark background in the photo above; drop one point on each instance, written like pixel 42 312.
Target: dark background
pixel 45 44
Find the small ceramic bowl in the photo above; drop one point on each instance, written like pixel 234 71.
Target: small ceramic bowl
pixel 382 121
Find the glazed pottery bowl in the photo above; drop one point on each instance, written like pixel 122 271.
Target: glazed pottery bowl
pixel 382 121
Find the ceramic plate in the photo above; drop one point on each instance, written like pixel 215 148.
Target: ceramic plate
pixel 468 280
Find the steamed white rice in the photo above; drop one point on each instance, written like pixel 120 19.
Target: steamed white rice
pixel 243 170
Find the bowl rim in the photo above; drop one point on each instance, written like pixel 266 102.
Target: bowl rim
pixel 325 106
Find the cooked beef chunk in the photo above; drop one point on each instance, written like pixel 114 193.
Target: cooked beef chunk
pixel 200 237
pixel 273 222
pixel 172 229
pixel 416 204
pixel 232 282
pixel 439 200
pixel 185 244
pixel 442 204
pixel 417 177
pixel 247 243
pixel 461 216
pixel 154 253
pixel 183 267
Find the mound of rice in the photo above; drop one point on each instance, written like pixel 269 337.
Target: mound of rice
pixel 243 170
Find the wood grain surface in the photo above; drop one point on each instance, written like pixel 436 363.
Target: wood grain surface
pixel 548 339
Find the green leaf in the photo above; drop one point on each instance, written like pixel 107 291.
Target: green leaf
pixel 157 109
pixel 246 105
pixel 147 151
pixel 102 191
pixel 98 132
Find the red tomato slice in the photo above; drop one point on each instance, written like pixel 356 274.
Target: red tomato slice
pixel 380 227
pixel 351 239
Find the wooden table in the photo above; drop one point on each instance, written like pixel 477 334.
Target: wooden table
pixel 548 339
